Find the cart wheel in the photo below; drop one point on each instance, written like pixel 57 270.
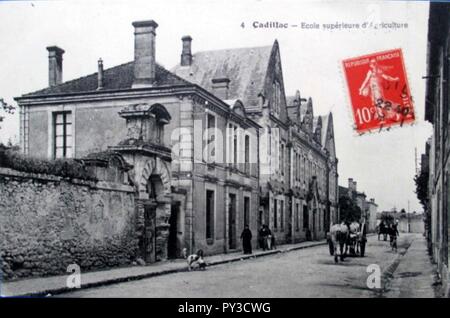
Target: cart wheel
pixel 363 248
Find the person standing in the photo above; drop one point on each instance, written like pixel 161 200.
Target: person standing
pixel 393 233
pixel 262 238
pixel 246 237
pixel 381 229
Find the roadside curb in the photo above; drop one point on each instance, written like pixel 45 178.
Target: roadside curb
pixel 388 273
pixel 62 290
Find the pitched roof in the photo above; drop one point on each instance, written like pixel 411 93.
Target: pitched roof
pixel 115 78
pixel 245 68
pixel 316 120
pixel 303 109
pixel 343 191
pixel 290 101
pixel 292 113
pixel 324 128
pixel 292 106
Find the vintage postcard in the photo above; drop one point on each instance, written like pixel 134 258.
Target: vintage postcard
pixel 253 150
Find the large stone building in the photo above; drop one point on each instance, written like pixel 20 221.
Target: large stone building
pixel 372 215
pixel 213 144
pixel 437 112
pixel 368 207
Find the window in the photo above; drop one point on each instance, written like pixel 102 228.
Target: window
pixel 276 150
pixel 247 211
pixel 235 145
pixel 275 214
pixel 232 133
pixel 211 138
pixel 62 124
pixel 276 96
pixel 209 214
pixel 282 159
pixel 304 169
pixel 282 215
pixel 319 216
pixel 247 154
pixel 305 217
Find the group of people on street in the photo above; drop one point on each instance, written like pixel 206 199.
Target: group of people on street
pixel 391 230
pixel 266 239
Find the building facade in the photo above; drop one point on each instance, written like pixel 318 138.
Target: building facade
pixel 211 144
pixel 372 217
pixel 407 222
pixel 437 112
pixel 368 207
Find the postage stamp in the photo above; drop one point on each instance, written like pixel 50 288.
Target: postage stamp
pixel 379 92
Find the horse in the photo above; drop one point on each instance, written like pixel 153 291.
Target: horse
pixel 338 235
pixel 383 230
pixel 354 238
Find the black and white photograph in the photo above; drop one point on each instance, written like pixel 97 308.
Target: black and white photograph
pixel 218 149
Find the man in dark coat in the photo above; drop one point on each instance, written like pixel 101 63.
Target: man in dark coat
pixel 246 238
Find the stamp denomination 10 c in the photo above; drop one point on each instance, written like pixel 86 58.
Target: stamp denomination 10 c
pixel 379 91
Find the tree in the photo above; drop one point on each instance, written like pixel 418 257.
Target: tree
pixel 349 210
pixel 421 181
pixel 6 108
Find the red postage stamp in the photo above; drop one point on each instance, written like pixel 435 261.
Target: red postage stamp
pixel 379 91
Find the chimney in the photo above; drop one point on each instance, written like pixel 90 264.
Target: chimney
pixel 350 183
pixel 144 53
pixel 100 75
pixel 220 87
pixel 54 65
pixel 186 54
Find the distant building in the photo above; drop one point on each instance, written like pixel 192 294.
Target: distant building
pixel 372 215
pixel 407 222
pixel 368 208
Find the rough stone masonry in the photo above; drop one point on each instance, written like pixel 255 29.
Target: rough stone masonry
pixel 61 222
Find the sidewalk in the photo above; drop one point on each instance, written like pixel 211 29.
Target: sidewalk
pixel 57 284
pixel 414 276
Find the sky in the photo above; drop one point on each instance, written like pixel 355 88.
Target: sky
pixel 383 164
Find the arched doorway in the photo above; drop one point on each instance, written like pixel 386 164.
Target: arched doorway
pixel 148 241
pixel 155 197
pixel 144 149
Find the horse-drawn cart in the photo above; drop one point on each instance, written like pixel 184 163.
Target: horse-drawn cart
pixel 350 238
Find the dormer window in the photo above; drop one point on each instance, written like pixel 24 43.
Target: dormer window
pixel 162 117
pixel 276 96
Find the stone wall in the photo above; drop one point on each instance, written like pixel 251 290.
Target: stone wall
pixel 48 223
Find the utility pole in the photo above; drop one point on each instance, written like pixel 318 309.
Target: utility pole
pixel 415 159
pixel 409 226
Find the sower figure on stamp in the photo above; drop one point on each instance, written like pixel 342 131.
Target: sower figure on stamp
pixel 373 84
pixel 246 238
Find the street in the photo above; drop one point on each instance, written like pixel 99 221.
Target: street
pixel 309 272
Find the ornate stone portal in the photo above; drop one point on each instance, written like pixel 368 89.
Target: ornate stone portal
pixel 143 148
